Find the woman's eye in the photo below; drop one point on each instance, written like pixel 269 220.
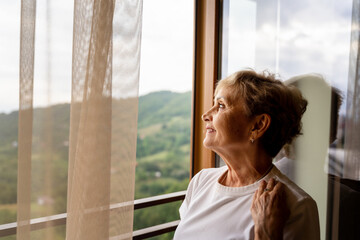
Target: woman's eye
pixel 221 105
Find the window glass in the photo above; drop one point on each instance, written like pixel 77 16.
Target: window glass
pixel 309 43
pixel 164 122
pixel 51 98
pixel 9 102
pixel 52 61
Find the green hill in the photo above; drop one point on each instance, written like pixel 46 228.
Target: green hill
pixel 161 107
pixel 163 150
pixel 154 108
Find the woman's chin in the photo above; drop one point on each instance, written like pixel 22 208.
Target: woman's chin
pixel 207 144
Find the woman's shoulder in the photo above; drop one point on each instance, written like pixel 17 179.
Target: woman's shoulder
pixel 298 200
pixel 214 170
pixel 207 175
pixel 204 180
pixel 211 172
pixel 297 194
pixel 304 217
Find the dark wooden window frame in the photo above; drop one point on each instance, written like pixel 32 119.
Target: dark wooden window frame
pixel 206 53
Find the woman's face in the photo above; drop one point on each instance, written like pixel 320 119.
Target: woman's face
pixel 227 125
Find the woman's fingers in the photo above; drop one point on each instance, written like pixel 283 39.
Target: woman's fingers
pixel 269 209
pixel 271 184
pixel 278 191
pixel 254 200
pixel 262 187
pixel 265 190
pixel 278 187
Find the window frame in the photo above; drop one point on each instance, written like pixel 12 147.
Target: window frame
pixel 206 54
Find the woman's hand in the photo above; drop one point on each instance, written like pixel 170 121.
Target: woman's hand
pixel 269 210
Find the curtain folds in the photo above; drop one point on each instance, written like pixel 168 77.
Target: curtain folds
pixel 27 43
pixel 106 56
pixel 103 120
pixel 90 124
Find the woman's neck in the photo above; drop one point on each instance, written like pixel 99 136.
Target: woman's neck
pixel 244 169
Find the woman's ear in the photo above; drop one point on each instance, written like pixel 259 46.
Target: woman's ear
pixel 261 124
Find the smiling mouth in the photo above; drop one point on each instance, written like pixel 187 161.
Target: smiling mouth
pixel 209 130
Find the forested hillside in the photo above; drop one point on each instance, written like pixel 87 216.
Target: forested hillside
pixel 162 156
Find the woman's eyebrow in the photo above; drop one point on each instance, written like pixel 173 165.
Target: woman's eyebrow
pixel 220 97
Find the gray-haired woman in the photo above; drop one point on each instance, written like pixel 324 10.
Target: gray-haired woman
pixel 253 117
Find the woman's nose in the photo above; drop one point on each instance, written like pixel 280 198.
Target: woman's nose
pixel 206 116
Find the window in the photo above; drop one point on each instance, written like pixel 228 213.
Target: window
pixel 164 120
pixel 289 38
pixel 309 43
pixel 51 101
pixel 165 105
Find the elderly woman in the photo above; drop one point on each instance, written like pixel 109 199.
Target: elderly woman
pixel 253 116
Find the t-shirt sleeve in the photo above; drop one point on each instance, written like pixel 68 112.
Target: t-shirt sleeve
pixel 303 222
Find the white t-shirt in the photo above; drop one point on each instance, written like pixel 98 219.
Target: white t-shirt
pixel 213 211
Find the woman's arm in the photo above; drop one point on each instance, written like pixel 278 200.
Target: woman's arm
pixel 269 211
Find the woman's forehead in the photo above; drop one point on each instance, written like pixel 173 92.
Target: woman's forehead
pixel 227 93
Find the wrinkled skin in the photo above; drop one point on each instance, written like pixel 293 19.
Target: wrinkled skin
pixel 269 210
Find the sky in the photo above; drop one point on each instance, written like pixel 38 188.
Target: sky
pixel 297 38
pixel 166 51
pixel 287 37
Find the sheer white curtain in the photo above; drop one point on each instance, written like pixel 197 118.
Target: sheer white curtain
pixel 103 119
pixel 27 36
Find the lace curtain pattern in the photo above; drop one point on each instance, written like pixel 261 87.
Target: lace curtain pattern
pixel 103 120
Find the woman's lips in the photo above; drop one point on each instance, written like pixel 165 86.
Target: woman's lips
pixel 209 130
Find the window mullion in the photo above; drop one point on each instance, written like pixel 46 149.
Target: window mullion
pixel 205 74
